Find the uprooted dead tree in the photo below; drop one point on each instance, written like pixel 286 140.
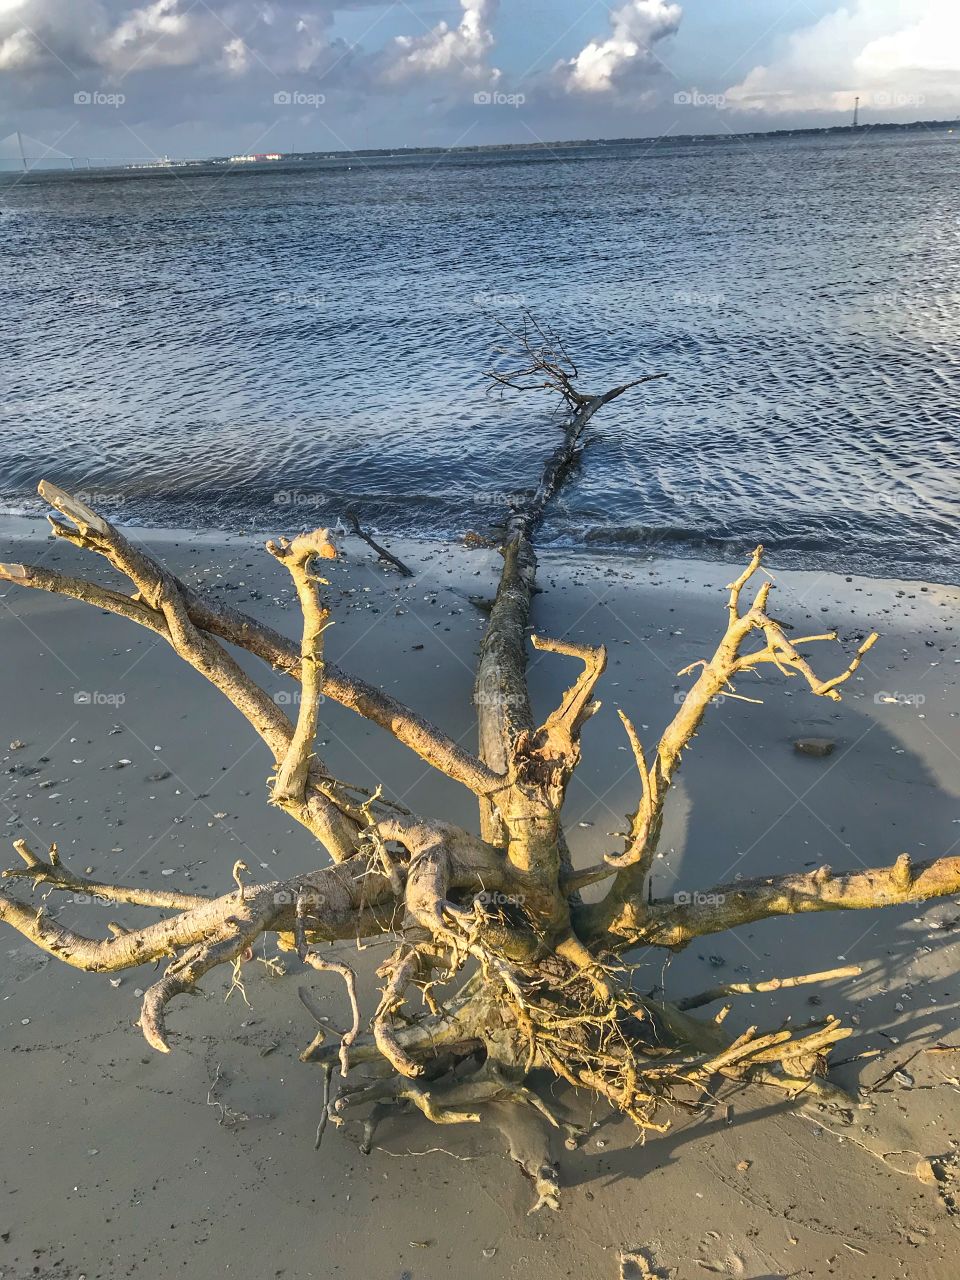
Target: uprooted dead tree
pixel 499 969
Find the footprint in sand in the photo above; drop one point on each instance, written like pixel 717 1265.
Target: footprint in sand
pixel 718 1255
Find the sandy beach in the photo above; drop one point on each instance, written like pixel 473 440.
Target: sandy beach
pixel 203 1163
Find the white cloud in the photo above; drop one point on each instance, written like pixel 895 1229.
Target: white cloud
pixel 604 66
pixel 20 49
pixel 461 50
pixel 236 56
pixel 118 37
pixel 35 34
pixel 233 37
pixel 896 55
pixel 159 35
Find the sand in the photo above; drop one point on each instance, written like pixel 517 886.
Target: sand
pixel 117 1161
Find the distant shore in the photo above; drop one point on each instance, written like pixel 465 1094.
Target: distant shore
pixel 272 161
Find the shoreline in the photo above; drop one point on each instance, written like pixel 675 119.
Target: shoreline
pixel 156 776
pixel 28 528
pixel 500 149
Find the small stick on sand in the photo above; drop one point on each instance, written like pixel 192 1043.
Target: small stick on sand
pixel 382 552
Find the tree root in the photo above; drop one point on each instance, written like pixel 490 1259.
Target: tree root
pixel 647 1059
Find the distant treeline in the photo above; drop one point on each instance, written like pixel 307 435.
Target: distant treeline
pixel 672 139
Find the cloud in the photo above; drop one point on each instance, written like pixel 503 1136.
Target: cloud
pixel 460 50
pixel 236 38
pixel 626 55
pixel 19 49
pixel 120 38
pixel 162 34
pixel 39 34
pixel 896 55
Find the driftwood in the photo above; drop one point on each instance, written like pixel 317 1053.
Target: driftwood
pixel 382 552
pixel 489 932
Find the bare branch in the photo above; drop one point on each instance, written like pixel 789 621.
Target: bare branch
pixel 183 974
pixel 161 592
pixel 350 978
pixel 501 694
pixel 124 950
pixel 666 923
pixel 342 899
pixel 293 771
pixel 382 552
pixel 56 874
pixel 238 628
pixel 561 730
pixel 771 984
pixel 400 970
pixel 541 363
pixel 715 680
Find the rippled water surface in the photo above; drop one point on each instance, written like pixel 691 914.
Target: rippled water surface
pixel 249 348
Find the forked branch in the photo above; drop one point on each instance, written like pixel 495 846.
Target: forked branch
pixel 55 874
pixel 539 361
pixel 714 682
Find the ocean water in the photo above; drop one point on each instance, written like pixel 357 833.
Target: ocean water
pixel 263 347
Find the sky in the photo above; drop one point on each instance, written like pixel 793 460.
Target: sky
pixel 193 78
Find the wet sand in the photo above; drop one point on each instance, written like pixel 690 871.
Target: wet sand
pixel 117 1161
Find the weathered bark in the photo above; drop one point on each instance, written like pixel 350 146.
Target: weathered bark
pixel 631 921
pixel 515 973
pixel 503 703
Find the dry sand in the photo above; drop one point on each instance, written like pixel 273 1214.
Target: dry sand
pixel 117 1161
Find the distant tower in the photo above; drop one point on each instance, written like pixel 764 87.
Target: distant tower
pixel 23 158
pixel 856 113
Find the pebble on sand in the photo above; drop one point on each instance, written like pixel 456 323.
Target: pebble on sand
pixel 814 746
